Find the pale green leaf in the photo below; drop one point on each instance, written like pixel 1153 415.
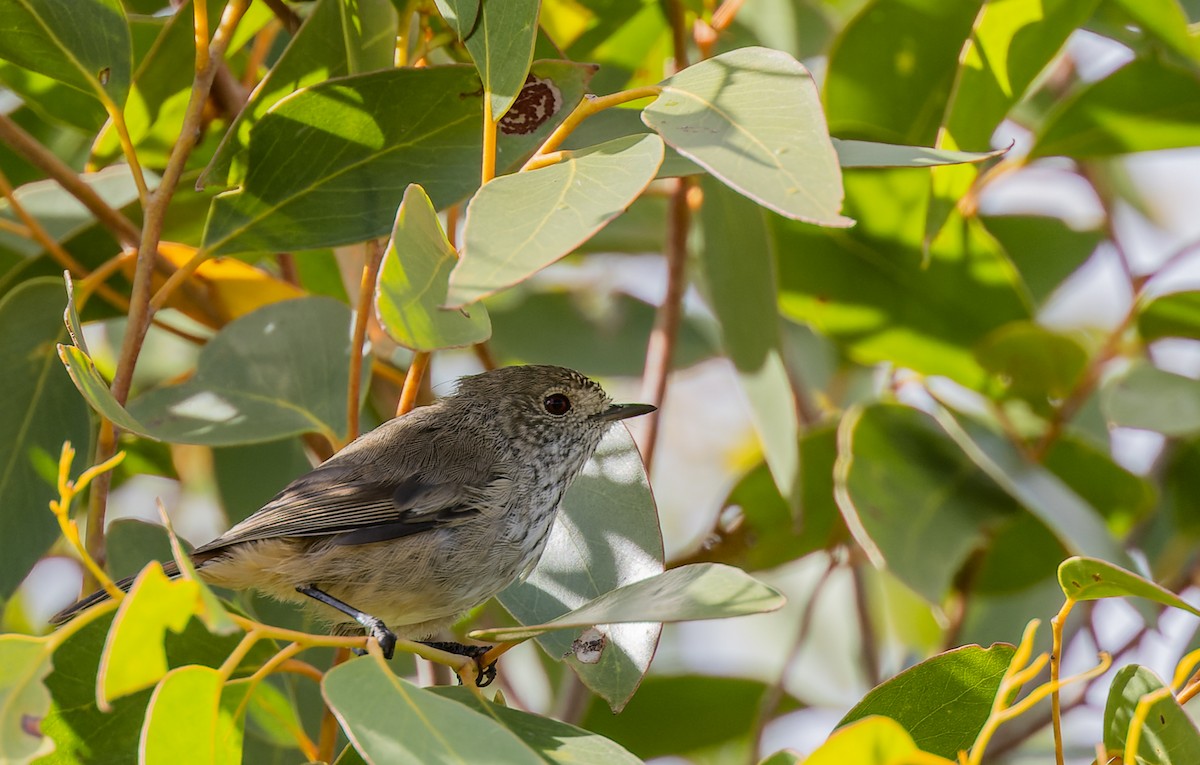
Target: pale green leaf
pixel 25 661
pixel 1093 579
pixel 1150 398
pixel 518 224
pixel 413 283
pixel 191 719
pixel 1168 737
pixel 500 41
pixel 871 154
pixel 752 118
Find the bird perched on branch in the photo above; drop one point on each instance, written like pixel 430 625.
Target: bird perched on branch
pixel 425 517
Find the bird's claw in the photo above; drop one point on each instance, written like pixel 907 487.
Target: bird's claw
pixel 384 636
pixel 484 675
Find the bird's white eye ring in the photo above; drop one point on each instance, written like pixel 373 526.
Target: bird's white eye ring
pixel 557 404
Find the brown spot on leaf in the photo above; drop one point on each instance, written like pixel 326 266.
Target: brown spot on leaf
pixel 536 104
pixel 103 75
pixel 31 725
pixel 589 646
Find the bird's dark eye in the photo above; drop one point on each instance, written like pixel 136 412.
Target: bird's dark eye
pixel 557 404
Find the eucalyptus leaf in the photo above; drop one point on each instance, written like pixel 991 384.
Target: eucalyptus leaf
pixel 688 593
pixel 25 661
pixel 1173 315
pixel 413 283
pixel 1093 579
pixel 752 118
pixel 1168 737
pixel 518 224
pixel 500 40
pixel 82 43
pixel 872 154
pixel 1150 398
pixel 38 412
pixel 606 536
pixel 213 733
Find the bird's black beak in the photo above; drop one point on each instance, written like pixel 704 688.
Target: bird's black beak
pixel 622 411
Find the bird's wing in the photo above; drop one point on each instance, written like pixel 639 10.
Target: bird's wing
pixel 337 501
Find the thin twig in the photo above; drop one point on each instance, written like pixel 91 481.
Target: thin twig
pixel 362 316
pixel 327 738
pixel 661 347
pixel 140 312
pixel 412 383
pixel 28 147
pixel 870 646
pixel 285 14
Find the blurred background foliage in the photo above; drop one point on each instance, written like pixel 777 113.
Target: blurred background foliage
pixel 904 424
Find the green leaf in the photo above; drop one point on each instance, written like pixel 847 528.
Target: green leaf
pixel 688 593
pixel 274 715
pixel 871 290
pixel 675 715
pixel 82 43
pixel 500 42
pixel 363 146
pixel 1122 497
pixel 870 741
pixel 38 412
pixel 905 488
pixel 1169 737
pixel 251 386
pixel 248 475
pixel 872 154
pixel 25 662
pixel 461 15
pixel 556 742
pixel 739 278
pixel 134 657
pixel 1150 398
pixel 944 701
pixel 1010 45
pixel 413 283
pixel 1165 22
pixel 212 733
pixel 1092 579
pixel 390 720
pixel 1033 362
pixel 1045 250
pixel 336 40
pixel 752 118
pixel 606 535
pixel 892 69
pixel 162 83
pixel 1174 315
pixel 53 100
pixel 60 213
pixel 518 224
pixel 1143 106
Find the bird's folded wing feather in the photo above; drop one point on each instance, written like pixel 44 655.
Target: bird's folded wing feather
pixel 340 502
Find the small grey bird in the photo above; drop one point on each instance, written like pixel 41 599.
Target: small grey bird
pixel 428 515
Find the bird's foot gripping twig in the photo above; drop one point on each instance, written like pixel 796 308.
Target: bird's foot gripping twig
pixel 372 624
pixel 485 674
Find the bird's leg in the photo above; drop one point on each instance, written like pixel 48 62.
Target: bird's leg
pixel 373 625
pixel 486 674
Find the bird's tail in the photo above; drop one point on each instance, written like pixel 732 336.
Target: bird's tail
pixel 101 595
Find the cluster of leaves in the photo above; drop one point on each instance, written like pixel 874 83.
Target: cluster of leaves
pixel 138 163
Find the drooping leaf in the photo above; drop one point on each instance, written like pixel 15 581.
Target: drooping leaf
pixel 1150 398
pixel 1109 117
pixel 1092 579
pixel 363 146
pixel 518 224
pixel 942 702
pixel 53 100
pixel 82 43
pixel 752 118
pixel 336 40
pixel 1045 250
pixel 38 412
pixel 461 15
pixel 605 536
pixel 1168 737
pixel 390 720
pixel 688 593
pixel 739 282
pixel 413 283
